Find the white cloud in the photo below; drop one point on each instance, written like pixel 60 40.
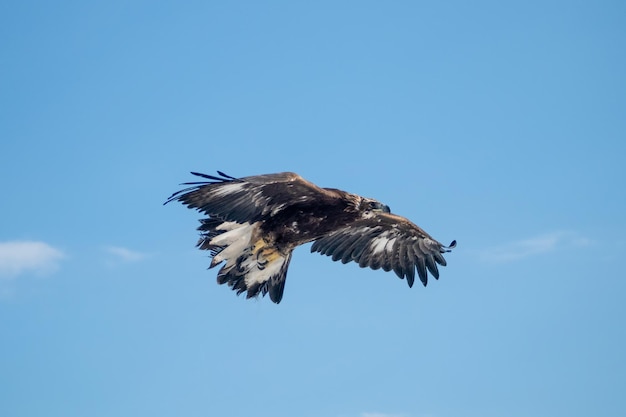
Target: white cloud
pixel 18 257
pixel 125 254
pixel 537 245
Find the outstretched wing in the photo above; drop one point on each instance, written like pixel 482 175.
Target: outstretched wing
pixel 247 199
pixel 386 241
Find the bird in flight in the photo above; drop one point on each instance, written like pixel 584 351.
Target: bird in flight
pixel 254 223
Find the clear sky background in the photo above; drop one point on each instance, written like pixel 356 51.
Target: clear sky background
pixel 499 124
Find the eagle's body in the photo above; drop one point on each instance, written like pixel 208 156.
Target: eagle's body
pixel 254 224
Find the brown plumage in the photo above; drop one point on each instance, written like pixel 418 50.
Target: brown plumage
pixel 254 224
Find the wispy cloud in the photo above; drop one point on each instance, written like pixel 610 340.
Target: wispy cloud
pixel 20 257
pixel 125 254
pixel 545 243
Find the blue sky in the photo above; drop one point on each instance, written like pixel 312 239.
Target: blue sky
pixel 499 124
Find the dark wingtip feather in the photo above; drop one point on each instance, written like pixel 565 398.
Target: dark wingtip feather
pixel 196 184
pixel 410 276
pixel 421 271
pixel 448 248
pixel 222 177
pixel 174 196
pixel 399 271
pixel 226 175
pixel 432 266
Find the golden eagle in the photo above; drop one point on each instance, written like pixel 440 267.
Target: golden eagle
pixel 254 224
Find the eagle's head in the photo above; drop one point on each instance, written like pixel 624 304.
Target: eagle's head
pixel 362 204
pixel 369 204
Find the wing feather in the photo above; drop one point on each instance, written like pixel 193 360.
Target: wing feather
pixel 342 249
pixel 386 241
pixel 332 246
pixel 363 242
pixel 421 270
pixel 440 259
pixel 431 265
pixel 347 253
pixel 387 261
pixel 409 264
pixel 248 198
pixel 398 261
pixel 398 265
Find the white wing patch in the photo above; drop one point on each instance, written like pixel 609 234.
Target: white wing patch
pixel 236 238
pixel 390 243
pixel 230 226
pixel 228 188
pixel 233 232
pixel 379 243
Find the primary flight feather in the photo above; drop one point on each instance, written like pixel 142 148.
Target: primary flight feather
pixel 254 224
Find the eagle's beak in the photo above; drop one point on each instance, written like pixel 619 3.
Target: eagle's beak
pixel 386 209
